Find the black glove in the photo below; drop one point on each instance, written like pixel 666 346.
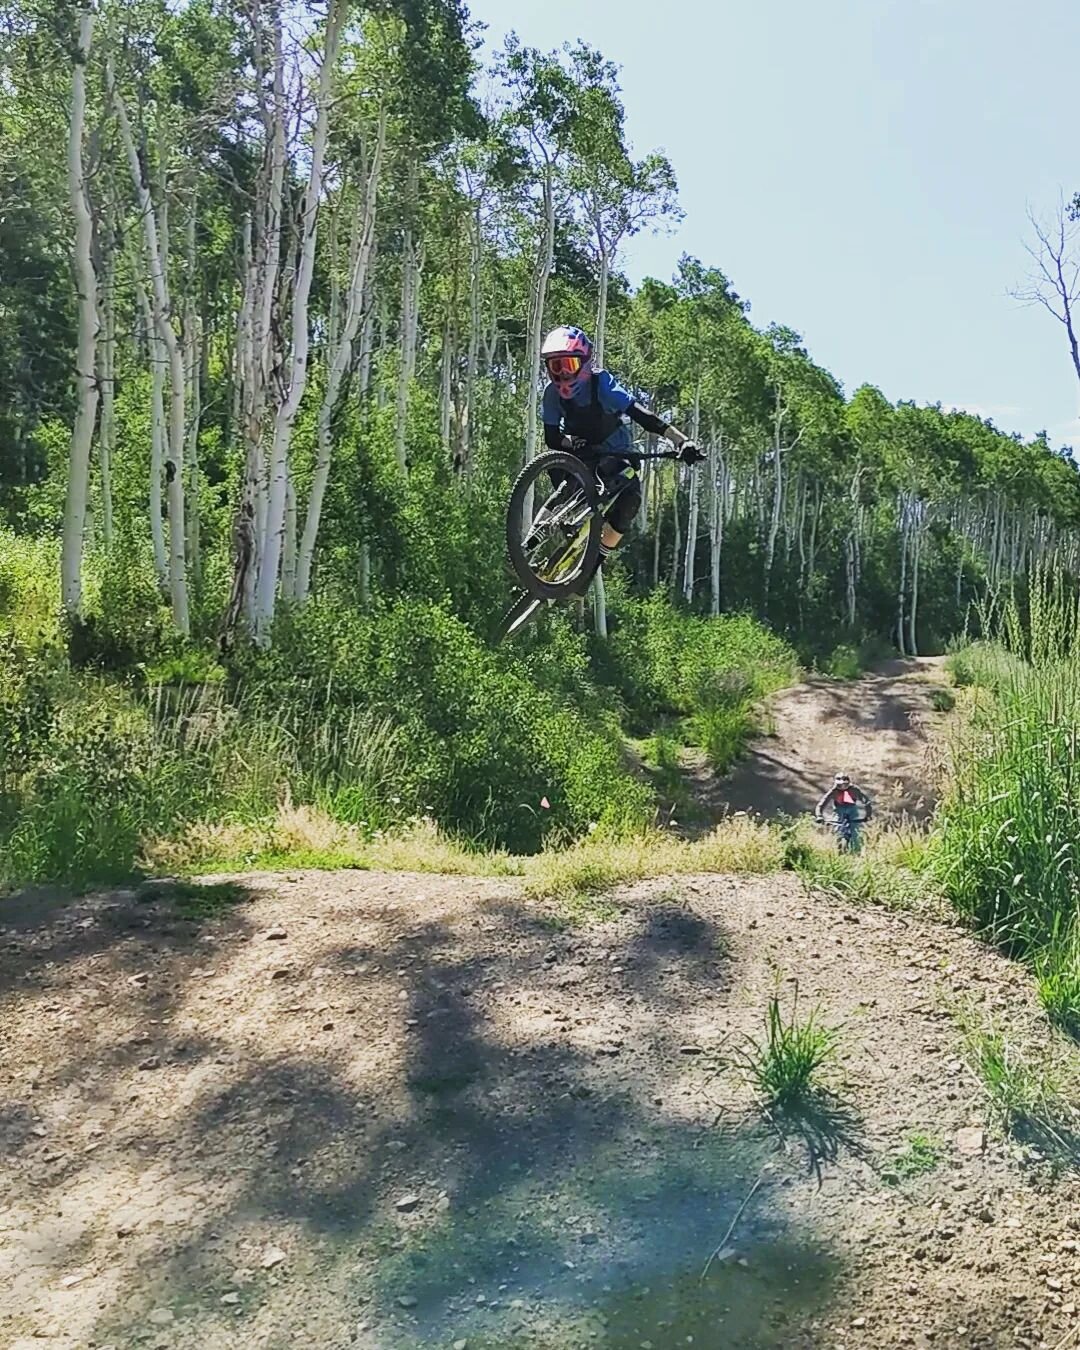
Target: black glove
pixel 689 453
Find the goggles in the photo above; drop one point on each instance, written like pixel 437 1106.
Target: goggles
pixel 559 367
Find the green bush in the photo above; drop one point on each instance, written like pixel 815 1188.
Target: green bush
pixel 29 586
pixel 128 621
pixel 983 665
pixel 484 745
pixel 662 661
pixel 372 716
pixel 722 732
pixel 1006 853
pixel 843 663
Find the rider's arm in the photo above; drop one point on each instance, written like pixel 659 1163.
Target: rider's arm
pixel 825 801
pixel 861 795
pixel 554 439
pixel 656 426
pixel 617 399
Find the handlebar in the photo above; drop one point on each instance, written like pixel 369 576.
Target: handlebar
pixel 637 456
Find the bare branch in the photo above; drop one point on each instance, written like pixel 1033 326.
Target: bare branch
pixel 1055 281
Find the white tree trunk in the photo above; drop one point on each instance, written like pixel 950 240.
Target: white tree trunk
pixel 815 520
pixel 690 561
pixel 296 377
pixel 901 592
pixel 849 572
pixel 194 486
pixel 673 583
pixel 365 574
pixel 472 360
pixel 602 304
pixel 778 492
pixel 255 339
pixel 157 433
pixel 410 300
pixel 537 305
pixel 718 480
pixel 599 594
pixel 160 304
pixel 599 600
pixel 86 411
pixel 288 555
pixel 339 358
pixel 193 360
pixel 913 644
pixel 658 522
pixel 446 387
pixel 107 386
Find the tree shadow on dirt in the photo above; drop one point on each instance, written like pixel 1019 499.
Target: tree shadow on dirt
pixel 43 931
pixel 472 1128
pixel 532 1166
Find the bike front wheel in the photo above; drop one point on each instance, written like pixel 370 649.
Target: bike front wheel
pixel 554 550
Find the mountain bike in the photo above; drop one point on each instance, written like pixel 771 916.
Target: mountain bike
pixel 554 549
pixel 846 826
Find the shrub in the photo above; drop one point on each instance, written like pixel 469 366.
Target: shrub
pixel 843 663
pixel 786 1067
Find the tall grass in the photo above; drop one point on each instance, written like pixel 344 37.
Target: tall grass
pixel 1008 853
pixel 786 1065
pixel 118 772
pixel 1029 1092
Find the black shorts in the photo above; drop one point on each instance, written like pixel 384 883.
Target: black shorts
pixel 623 510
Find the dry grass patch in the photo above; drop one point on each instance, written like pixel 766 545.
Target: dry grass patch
pixel 593 865
pixel 305 836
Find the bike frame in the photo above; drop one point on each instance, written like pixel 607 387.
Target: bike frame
pixel 847 828
pixel 579 511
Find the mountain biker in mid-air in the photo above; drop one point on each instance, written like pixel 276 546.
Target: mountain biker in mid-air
pixel 587 412
pixel 845 798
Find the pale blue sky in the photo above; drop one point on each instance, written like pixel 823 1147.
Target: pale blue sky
pixel 860 169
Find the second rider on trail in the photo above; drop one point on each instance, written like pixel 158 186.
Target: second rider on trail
pixel 587 412
pixel 850 806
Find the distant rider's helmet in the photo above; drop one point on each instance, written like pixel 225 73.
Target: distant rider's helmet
pixel 842 780
pixel 567 355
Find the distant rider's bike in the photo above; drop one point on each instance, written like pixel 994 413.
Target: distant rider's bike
pixel 847 827
pixel 554 548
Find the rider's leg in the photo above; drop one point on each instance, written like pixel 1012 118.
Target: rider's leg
pixel 609 540
pixel 850 817
pixel 620 517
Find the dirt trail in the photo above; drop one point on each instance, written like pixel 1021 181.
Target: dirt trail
pixel 394 1111
pixel 875 728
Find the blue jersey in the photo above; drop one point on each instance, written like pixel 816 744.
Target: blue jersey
pixel 611 396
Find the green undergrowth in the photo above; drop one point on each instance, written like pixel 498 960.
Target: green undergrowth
pixel 121 746
pixel 702 682
pixel 1031 1090
pixel 919 1156
pixel 1007 847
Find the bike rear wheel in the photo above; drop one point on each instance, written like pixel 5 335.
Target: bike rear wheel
pixel 555 551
